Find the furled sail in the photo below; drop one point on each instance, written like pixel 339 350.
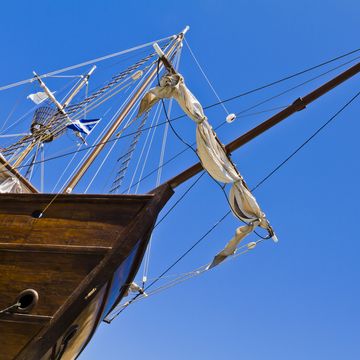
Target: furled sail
pixel 10 185
pixel 11 181
pixel 214 159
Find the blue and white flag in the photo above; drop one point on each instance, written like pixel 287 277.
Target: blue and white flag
pixel 83 126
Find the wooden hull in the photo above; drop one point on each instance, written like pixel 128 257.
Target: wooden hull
pixel 79 258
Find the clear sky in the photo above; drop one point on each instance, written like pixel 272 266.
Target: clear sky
pixel 298 299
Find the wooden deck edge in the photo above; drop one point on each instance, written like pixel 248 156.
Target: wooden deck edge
pixel 45 248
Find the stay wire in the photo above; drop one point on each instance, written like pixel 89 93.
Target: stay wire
pixel 176 262
pixel 206 78
pixel 179 200
pixel 89 62
pixel 305 142
pixel 284 78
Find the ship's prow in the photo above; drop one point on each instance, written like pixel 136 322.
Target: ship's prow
pixel 67 268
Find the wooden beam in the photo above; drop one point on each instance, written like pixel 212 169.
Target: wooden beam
pixel 50 248
pixel 298 105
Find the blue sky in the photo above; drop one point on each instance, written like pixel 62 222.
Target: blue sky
pixel 297 299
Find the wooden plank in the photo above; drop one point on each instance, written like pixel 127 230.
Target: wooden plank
pixel 54 276
pixel 24 229
pixel 79 220
pixel 14 336
pixel 114 209
pixel 25 318
pixel 58 249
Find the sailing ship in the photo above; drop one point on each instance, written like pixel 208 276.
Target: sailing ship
pixel 69 258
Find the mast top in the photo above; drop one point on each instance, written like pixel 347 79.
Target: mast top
pixel 187 28
pixel 181 34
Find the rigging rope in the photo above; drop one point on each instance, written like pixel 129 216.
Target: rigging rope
pixel 10 308
pixel 241 250
pixel 243 111
pixel 228 213
pixel 206 78
pixel 157 117
pixel 126 158
pixel 58 123
pixel 161 161
pixel 209 106
pixel 305 142
pixel 284 78
pixel 67 166
pixel 89 62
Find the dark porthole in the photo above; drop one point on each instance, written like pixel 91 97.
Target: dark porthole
pixel 27 300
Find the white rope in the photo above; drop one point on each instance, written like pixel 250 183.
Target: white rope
pixel 13 109
pixel 163 146
pixel 70 91
pixel 66 76
pixel 42 167
pixel 67 166
pixel 14 135
pixel 147 153
pixel 89 62
pixel 19 119
pixel 241 250
pixel 166 130
pixel 143 150
pixel 33 165
pixel 159 173
pixel 86 96
pixel 206 78
pixel 202 269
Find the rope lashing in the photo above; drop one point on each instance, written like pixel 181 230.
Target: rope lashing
pixel 10 308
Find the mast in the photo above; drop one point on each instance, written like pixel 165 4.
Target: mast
pixel 60 107
pixel 84 167
pixel 79 87
pixel 298 105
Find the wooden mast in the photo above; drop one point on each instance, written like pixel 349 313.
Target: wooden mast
pixel 84 167
pixel 298 105
pixel 60 107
